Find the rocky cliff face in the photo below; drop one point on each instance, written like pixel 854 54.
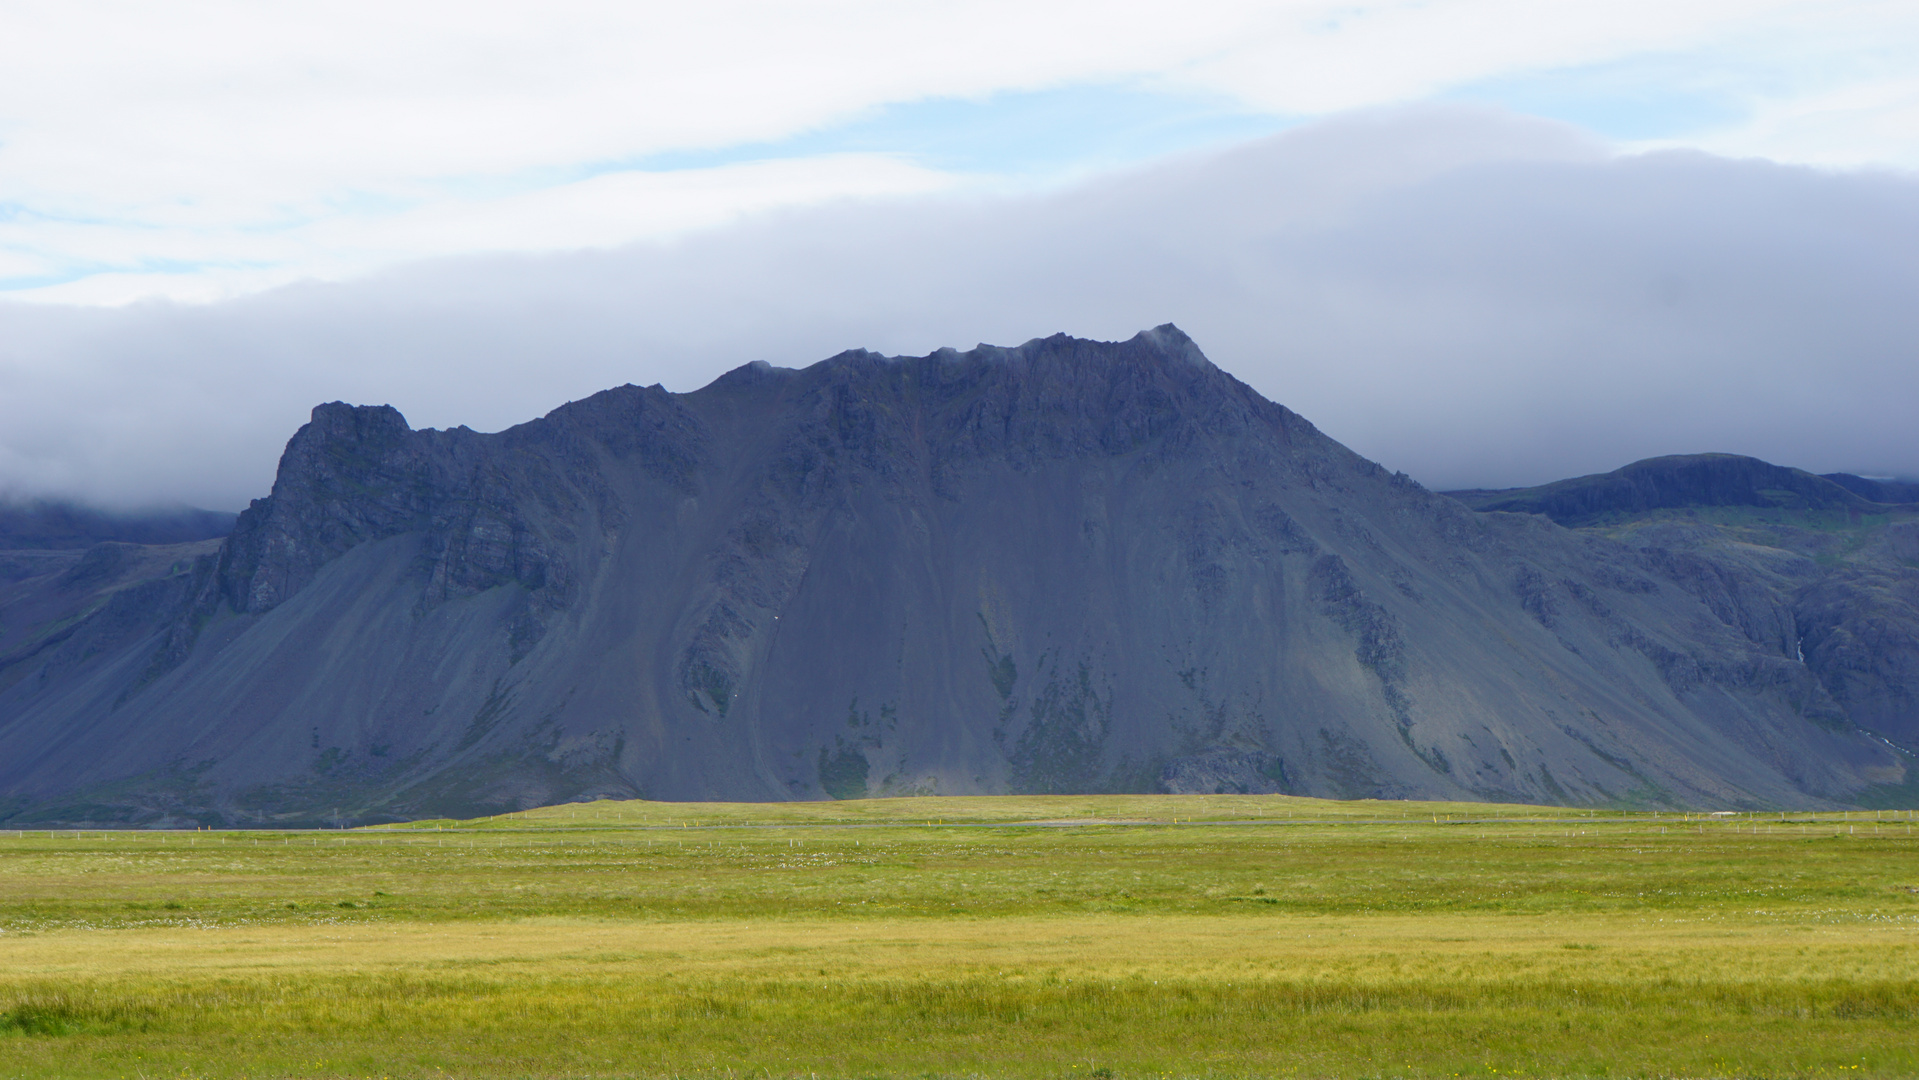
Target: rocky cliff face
pixel 1068 566
pixel 1785 558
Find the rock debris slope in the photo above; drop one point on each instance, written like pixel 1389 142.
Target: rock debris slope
pixel 1831 563
pixel 1064 567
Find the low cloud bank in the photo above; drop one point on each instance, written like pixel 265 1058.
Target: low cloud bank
pixel 1478 299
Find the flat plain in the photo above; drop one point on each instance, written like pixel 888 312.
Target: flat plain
pixel 1092 937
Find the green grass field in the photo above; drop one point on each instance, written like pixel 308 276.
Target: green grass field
pixel 1088 937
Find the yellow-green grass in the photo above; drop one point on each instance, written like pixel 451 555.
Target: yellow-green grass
pixel 1078 809
pixel 624 939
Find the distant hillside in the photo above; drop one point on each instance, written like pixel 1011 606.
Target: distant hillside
pixel 1679 481
pixel 1845 585
pixel 52 524
pixel 1879 491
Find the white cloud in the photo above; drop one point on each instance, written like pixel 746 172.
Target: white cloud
pixel 204 147
pixel 1322 59
pixel 1832 128
pixel 599 211
pixel 1474 298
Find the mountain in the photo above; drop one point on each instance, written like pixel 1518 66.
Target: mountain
pixel 1844 565
pixel 1879 491
pixel 1681 481
pixel 1066 566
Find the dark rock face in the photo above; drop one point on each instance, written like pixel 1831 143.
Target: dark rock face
pixel 1860 633
pixel 1068 566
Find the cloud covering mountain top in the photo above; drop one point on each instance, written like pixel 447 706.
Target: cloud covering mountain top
pixel 1478 299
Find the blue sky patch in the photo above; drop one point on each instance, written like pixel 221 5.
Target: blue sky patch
pixel 1035 133
pixel 1657 96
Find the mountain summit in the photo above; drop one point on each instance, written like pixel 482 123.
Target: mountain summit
pixel 1066 566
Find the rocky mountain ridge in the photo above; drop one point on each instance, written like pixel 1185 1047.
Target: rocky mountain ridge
pixel 1066 566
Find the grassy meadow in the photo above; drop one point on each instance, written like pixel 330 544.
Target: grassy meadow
pixel 1089 937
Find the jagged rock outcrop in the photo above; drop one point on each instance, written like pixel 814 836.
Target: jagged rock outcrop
pixel 1067 566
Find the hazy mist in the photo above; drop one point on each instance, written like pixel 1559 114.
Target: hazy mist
pixel 1474 298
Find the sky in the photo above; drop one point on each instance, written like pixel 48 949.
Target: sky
pixel 1488 243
